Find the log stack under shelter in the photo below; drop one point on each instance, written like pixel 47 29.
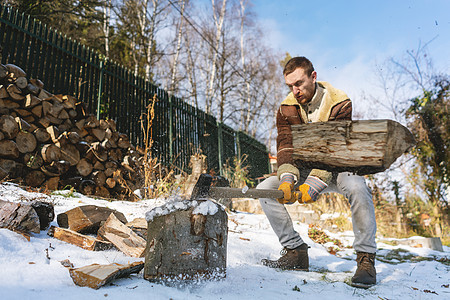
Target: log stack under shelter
pixel 51 141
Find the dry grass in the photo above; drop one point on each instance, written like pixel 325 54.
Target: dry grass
pixel 157 179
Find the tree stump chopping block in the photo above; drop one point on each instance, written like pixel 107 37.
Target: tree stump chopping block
pixel 186 240
pixel 362 147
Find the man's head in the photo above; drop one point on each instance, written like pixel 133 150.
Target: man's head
pixel 300 77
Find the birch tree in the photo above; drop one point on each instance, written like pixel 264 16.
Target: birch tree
pixel 178 48
pixel 218 21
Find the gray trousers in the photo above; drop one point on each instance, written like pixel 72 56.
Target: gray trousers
pixel 353 187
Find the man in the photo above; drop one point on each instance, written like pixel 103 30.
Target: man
pixel 313 101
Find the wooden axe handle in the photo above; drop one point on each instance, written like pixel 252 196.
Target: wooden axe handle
pixel 227 192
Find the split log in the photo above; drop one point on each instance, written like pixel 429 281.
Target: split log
pixel 101 191
pixel 41 135
pixel 95 275
pixel 32 89
pixel 15 71
pixel 139 226
pixel 115 155
pixel 21 82
pixel 122 237
pixel 72 113
pixel 37 111
pixel 53 131
pixel 14 92
pixel 43 94
pixel 74 137
pixel 50 153
pixel 52 109
pixel 52 183
pixel 98 133
pixel 31 101
pixel 84 168
pixel 69 102
pixel 87 187
pixel 44 122
pixel 33 161
pixel 5 103
pixel 45 212
pixel 37 83
pixel 91 122
pixel 22 112
pixel 56 168
pixel 87 218
pixel 362 147
pixel 123 142
pixel 34 178
pixel 3 93
pixel 14 168
pixel 186 240
pixel 71 154
pixel 9 126
pixel 83 241
pixel 9 149
pixel 99 178
pixel 26 142
pixel 23 125
pixel 99 151
pixel 99 166
pixel 19 216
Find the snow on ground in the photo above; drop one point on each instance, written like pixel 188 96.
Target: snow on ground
pixel 32 270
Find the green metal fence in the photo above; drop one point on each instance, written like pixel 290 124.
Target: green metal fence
pixel 111 91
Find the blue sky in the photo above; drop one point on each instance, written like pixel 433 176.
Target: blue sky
pixel 345 39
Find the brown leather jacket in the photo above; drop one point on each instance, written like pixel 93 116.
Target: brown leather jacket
pixel 335 105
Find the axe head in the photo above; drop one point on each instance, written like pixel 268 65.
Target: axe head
pixel 204 182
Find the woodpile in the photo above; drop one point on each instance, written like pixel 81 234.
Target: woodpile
pixel 51 141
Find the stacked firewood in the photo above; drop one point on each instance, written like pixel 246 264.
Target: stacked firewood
pixel 51 141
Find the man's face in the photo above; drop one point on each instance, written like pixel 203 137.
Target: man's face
pixel 301 85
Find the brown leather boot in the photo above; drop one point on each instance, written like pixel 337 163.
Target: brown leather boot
pixel 365 275
pixel 291 259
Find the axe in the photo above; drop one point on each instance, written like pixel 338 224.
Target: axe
pixel 219 189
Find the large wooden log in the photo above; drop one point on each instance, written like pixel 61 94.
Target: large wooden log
pixel 87 218
pixel 12 167
pixel 125 239
pixel 9 126
pixel 362 147
pixel 26 142
pixel 95 275
pixel 34 178
pixel 9 149
pixel 186 240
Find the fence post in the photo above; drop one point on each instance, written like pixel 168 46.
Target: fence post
pixel 238 145
pixel 100 87
pixel 170 129
pixel 220 146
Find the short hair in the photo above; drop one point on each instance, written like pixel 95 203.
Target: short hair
pixel 298 62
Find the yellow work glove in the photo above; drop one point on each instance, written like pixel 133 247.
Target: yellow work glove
pixel 311 189
pixel 287 186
